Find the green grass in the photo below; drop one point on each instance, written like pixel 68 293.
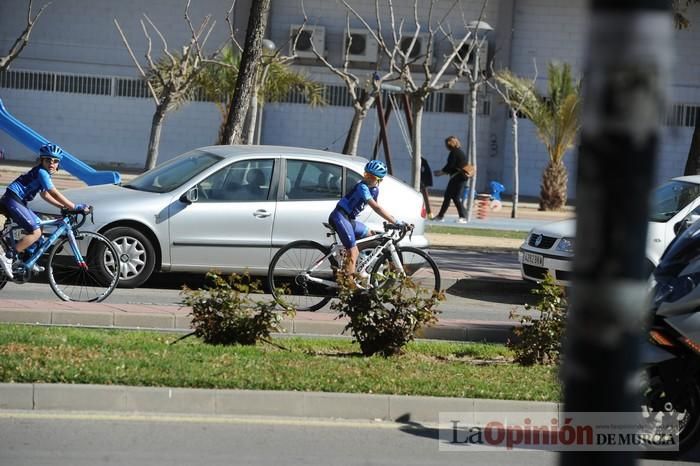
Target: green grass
pixel 476 232
pixel 30 354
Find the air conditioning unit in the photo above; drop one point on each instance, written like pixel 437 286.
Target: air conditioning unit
pixel 483 56
pixel 309 35
pixel 362 46
pixel 418 54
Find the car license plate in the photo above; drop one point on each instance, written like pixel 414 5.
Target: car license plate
pixel 533 259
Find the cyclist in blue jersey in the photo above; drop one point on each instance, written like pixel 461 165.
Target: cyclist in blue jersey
pixel 24 189
pixel 343 217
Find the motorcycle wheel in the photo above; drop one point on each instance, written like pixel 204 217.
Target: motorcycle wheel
pixel 686 410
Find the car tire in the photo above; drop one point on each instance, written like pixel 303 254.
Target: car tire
pixel 136 254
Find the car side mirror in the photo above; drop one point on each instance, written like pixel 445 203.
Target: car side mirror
pixel 681 226
pixel 190 196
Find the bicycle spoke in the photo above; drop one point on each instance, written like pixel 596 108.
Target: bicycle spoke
pixel 91 281
pixel 416 264
pixel 294 268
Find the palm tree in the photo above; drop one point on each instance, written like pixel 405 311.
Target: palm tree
pixel 556 120
pixel 218 81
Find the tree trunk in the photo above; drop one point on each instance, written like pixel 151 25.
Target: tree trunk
pixel 154 139
pixel 417 111
pixel 626 80
pixel 354 133
pixel 692 165
pixel 516 163
pixel 252 119
pixel 356 126
pixel 553 189
pixel 471 155
pixel 245 84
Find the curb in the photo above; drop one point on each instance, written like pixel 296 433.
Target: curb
pixel 305 323
pixel 217 402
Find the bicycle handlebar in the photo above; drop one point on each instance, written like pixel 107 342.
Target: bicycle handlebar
pixel 78 217
pixel 402 228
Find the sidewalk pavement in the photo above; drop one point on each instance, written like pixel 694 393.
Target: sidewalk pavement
pixel 127 400
pixel 176 319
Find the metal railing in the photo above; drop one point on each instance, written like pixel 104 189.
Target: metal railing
pixel 678 115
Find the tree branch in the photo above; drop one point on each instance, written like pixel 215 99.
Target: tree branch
pixel 23 39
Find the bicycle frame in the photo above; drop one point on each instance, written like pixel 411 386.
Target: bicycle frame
pixel 337 247
pixel 63 227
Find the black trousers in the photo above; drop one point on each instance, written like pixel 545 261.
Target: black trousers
pixel 452 193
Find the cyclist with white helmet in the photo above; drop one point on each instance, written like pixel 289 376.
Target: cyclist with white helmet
pixel 343 217
pixel 24 189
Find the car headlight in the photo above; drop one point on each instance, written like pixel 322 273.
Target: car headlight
pixel 566 245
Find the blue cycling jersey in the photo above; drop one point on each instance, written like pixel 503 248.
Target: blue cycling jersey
pixel 356 200
pixel 36 180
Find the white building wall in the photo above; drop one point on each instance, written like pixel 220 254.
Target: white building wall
pixel 78 36
pixel 332 15
pixel 326 128
pixel 546 31
pixel 106 130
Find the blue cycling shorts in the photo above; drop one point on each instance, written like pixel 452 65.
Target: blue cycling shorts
pixel 349 231
pixel 20 213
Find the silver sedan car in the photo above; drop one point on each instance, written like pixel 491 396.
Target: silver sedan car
pixel 230 208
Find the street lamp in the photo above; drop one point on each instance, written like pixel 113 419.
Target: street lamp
pixel 477 26
pixel 268 45
pixel 480 29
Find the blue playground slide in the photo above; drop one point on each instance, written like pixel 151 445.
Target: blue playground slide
pixel 76 167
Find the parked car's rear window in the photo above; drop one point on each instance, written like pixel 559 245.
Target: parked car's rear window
pixel 173 173
pixel 311 180
pixel 670 198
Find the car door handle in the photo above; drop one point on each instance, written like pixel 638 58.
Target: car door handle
pixel 261 213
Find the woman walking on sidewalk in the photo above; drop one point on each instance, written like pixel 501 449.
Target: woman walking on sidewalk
pixel 456 160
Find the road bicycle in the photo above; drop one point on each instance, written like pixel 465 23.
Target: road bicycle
pixel 81 265
pixel 302 274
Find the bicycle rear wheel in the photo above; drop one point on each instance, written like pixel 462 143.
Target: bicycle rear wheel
pixel 290 276
pixel 91 281
pixel 417 265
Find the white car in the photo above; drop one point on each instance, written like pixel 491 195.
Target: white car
pixel 550 248
pixel 230 208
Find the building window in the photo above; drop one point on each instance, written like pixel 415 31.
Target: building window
pixel 454 103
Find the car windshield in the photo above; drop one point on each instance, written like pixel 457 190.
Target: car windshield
pixel 670 198
pixel 173 173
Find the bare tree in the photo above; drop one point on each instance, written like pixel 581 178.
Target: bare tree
pixel 363 92
pixel 515 102
pixel 403 59
pixel 248 72
pixel 23 39
pixel 171 80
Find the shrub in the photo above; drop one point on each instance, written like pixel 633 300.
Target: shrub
pixel 383 319
pixel 225 314
pixel 540 339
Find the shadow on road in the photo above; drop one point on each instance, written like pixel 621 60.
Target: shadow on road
pixel 516 292
pixel 175 281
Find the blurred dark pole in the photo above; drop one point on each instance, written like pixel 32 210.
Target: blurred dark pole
pixel 625 78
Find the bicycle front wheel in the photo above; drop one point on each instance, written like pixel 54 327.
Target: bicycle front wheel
pixel 417 265
pixel 295 272
pixel 90 281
